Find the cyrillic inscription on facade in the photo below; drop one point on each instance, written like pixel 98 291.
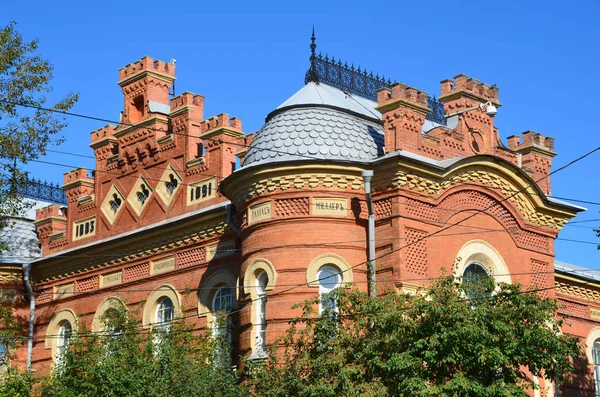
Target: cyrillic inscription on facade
pixel 64 291
pixel 217 251
pixel 107 280
pixel 330 206
pixel 259 212
pixel 8 295
pixel 595 313
pixel 163 265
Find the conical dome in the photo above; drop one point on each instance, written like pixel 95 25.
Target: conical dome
pixel 319 122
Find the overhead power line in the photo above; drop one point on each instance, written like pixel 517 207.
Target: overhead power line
pixel 23 104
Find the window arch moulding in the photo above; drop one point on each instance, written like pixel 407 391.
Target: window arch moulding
pixel 54 326
pixel 482 252
pixel 331 260
pixel 155 297
pixel 589 344
pixel 256 266
pixel 207 291
pixel 112 302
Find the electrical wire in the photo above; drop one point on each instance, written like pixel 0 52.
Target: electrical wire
pixel 385 254
pixel 213 139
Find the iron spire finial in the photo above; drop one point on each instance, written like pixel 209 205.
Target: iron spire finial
pixel 312 72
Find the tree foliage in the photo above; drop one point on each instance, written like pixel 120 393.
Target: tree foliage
pixel 132 361
pixel 25 78
pixel 128 361
pixel 433 343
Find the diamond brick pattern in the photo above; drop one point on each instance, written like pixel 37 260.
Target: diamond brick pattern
pixel 421 210
pixel 136 272
pixel 416 254
pixel 573 308
pixel 383 208
pixel 540 278
pixel 292 207
pixel 191 257
pixel 44 295
pixel 474 200
pixel 87 284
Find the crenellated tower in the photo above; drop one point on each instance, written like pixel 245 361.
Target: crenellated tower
pixel 161 160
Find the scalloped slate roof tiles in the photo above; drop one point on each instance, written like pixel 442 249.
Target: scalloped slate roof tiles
pixel 22 241
pixel 316 133
pixel 319 122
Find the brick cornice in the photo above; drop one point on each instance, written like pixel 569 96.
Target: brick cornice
pixel 146 73
pixel 156 240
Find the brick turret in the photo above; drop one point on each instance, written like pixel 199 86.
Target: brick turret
pixel 187 113
pixel 77 184
pixel 222 136
pixel 536 152
pixel 145 83
pixel 462 97
pixel 49 221
pixel 404 109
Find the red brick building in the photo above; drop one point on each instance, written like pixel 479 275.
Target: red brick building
pixel 167 209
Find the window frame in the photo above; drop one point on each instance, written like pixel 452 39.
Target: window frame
pixel 53 329
pixel 63 340
pixel 260 339
pixel 149 315
pixel 162 309
pixel 337 274
pixel 596 362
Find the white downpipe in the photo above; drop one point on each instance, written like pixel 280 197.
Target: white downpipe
pixel 367 177
pixel 27 281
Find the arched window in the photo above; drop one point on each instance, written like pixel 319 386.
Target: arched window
pixel 329 278
pixel 477 281
pixel 3 354
pixel 222 302
pixel 165 312
pixel 261 311
pixel 112 322
pixel 63 340
pixel 596 357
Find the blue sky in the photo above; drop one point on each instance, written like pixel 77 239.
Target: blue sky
pixel 248 57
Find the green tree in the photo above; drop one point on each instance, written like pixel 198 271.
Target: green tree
pixel 433 343
pixel 128 360
pixel 25 78
pixel 13 383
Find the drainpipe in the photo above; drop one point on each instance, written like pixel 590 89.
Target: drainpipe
pixel 367 177
pixel 232 226
pixel 26 280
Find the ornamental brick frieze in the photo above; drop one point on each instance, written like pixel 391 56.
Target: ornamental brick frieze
pixel 9 274
pixel 197 169
pixel 283 183
pixel 573 308
pixel 292 207
pixel 431 150
pixel 578 291
pixel 383 208
pixel 103 152
pixel 466 200
pixel 435 187
pixel 149 247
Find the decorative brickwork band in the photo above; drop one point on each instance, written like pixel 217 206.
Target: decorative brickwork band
pixel 416 252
